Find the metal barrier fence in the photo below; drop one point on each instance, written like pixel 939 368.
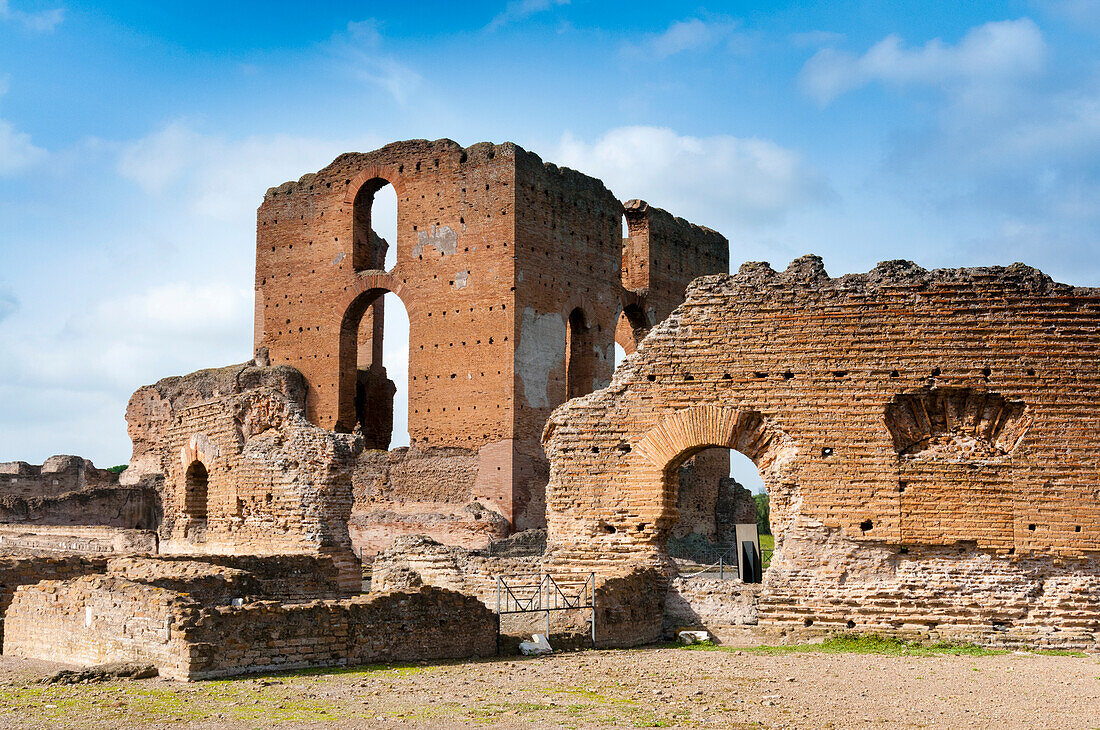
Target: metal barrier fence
pixel 547 595
pixel 712 559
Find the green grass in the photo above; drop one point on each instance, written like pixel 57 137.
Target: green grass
pixel 1059 652
pixel 862 644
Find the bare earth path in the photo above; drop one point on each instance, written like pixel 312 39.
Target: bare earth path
pixel 656 687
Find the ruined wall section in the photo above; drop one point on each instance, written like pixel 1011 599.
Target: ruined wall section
pixel 107 618
pixel 274 482
pixel 69 490
pixel 662 255
pixel 57 475
pixel 455 223
pixel 568 258
pixel 892 415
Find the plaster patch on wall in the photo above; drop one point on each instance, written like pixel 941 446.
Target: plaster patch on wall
pixel 541 348
pixel 461 278
pixel 443 238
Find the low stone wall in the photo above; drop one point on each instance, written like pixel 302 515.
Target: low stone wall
pixel 628 605
pixel 279 577
pixel 89 540
pixel 98 619
pixel 104 618
pixel 19 571
pixel 429 623
pixel 725 608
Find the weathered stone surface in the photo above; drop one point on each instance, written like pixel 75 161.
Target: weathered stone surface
pixel 107 618
pixel 102 673
pixel 929 440
pixel 69 490
pixel 268 481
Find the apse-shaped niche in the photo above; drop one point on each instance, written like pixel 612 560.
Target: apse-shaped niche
pixel 956 423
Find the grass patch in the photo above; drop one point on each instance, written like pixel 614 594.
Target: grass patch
pixel 1059 652
pixel 843 643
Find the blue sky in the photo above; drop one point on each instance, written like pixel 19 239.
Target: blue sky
pixel 137 139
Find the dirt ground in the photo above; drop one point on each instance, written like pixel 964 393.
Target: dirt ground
pixel 653 687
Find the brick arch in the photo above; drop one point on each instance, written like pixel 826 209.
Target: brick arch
pixel 389 173
pixel 682 434
pixel 632 322
pixel 197 456
pixel 370 289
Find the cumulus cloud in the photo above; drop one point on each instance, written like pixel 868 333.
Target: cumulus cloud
pixel 219 177
pixel 692 34
pixel 42 21
pixel 17 151
pixel 1004 51
pixel 518 10
pixel 121 341
pixel 742 181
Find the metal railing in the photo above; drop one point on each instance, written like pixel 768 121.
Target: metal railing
pixel 548 594
pixel 711 558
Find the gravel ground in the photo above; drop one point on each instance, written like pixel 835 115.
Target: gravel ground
pixel 654 687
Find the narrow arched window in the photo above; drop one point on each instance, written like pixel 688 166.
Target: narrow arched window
pixel 196 482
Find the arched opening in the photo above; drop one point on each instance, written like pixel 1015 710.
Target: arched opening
pixel 722 504
pixel 374 226
pixel 196 492
pixel 581 356
pixel 373 371
pixel 631 329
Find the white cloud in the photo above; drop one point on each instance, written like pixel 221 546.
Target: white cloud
pixel 692 34
pixel 710 180
pixel 1004 51
pixel 360 51
pixel 43 21
pixel 125 340
pixel 219 177
pixel 17 151
pixel 522 9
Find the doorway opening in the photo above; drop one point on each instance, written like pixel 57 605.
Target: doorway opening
pixel 722 503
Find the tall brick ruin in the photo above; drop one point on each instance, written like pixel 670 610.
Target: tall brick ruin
pixel 517 282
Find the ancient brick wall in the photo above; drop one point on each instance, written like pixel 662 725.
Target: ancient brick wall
pixel 428 623
pixel 511 273
pixel 916 430
pixel 288 578
pixel 16 571
pixel 99 619
pixel 76 539
pixel 725 608
pixel 241 469
pixel 56 476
